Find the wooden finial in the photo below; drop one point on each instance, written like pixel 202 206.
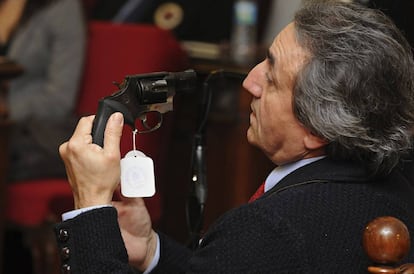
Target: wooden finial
pixel 386 241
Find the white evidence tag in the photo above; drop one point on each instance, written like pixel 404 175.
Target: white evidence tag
pixel 137 175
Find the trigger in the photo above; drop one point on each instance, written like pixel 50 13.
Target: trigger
pixel 144 121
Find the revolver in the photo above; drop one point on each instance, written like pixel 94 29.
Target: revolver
pixel 139 95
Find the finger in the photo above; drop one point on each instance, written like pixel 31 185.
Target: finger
pixel 113 132
pixel 62 149
pixel 81 137
pixel 84 127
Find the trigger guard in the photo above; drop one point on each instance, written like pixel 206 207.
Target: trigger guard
pixel 148 127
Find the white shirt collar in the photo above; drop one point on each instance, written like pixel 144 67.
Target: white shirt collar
pixel 280 172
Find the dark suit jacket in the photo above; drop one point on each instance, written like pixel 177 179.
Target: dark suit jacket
pixel 310 222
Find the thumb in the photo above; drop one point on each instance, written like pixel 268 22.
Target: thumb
pixel 113 132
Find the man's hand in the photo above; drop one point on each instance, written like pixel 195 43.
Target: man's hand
pixel 94 174
pixel 93 171
pixel 136 229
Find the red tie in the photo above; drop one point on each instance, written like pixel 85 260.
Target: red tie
pixel 259 192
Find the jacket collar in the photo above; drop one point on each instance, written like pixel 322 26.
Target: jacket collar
pixel 324 170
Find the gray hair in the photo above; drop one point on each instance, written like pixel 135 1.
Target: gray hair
pixel 357 88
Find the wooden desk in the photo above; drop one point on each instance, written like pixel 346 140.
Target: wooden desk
pixel 8 70
pixel 205 66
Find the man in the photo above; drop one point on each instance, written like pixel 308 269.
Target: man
pixel 332 107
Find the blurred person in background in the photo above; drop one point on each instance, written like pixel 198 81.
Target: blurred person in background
pixel 47 38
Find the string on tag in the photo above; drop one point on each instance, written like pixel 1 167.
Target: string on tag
pixel 134 145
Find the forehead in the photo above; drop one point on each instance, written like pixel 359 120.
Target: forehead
pixel 287 54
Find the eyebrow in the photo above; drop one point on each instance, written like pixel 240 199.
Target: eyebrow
pixel 272 61
pixel 270 57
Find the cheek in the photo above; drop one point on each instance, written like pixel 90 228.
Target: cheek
pixel 276 118
pixel 270 114
pixel 266 124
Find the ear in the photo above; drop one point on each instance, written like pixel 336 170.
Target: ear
pixel 314 142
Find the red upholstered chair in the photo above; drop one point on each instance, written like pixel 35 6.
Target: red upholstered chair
pixel 113 52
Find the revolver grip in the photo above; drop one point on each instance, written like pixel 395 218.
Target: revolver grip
pixel 106 107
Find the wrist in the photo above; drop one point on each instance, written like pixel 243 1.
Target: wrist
pixel 91 201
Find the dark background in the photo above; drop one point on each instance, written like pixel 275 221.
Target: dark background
pixel 204 20
pixel 402 13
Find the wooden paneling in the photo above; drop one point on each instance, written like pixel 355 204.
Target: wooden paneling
pixel 234 168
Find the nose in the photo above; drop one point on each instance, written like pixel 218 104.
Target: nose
pixel 252 83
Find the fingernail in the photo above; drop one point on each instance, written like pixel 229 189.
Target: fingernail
pixel 118 118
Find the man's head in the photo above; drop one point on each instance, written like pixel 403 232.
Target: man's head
pixel 351 88
pixel 273 125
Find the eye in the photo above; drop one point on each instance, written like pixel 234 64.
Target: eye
pixel 271 81
pixel 269 78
